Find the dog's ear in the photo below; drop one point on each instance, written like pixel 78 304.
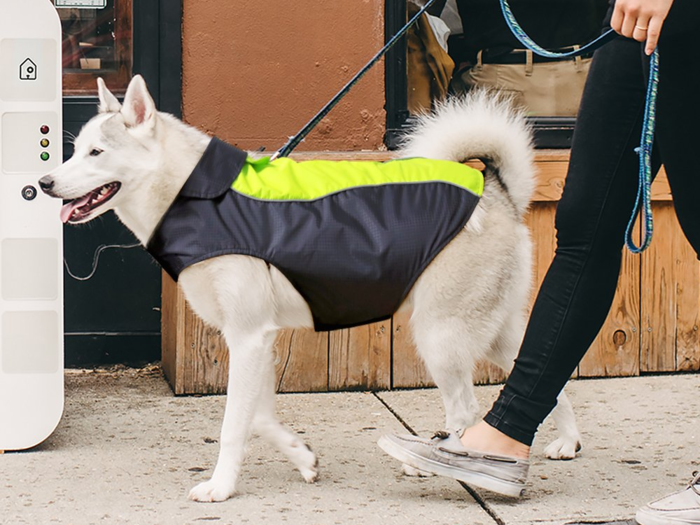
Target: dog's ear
pixel 138 108
pixel 108 102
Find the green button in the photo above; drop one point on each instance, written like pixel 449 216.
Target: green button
pixel 45 155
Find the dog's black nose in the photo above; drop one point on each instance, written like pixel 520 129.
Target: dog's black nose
pixel 46 183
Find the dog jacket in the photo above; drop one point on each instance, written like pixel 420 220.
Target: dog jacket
pixel 351 237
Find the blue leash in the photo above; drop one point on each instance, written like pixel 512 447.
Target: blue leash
pixel 643 201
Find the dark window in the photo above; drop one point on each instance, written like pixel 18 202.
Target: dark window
pixel 97 42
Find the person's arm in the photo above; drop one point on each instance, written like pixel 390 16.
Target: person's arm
pixel 641 20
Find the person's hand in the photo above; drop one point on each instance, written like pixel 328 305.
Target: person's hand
pixel 641 20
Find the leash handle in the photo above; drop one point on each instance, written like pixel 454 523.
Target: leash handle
pixel 530 44
pixel 294 141
pixel 643 202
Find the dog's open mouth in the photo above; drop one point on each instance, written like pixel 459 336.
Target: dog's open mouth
pixel 80 209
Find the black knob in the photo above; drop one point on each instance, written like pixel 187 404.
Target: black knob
pixel 29 193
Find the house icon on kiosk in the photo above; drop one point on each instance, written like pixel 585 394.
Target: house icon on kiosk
pixel 27 70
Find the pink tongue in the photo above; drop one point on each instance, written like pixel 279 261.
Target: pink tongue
pixel 67 209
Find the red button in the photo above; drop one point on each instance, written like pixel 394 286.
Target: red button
pixel 44 129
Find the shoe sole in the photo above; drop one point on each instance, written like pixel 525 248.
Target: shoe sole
pixel 644 517
pixel 481 480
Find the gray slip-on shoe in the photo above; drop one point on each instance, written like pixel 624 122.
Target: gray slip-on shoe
pixel 445 455
pixel 680 508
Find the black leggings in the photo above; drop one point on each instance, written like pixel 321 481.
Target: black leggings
pixel 595 208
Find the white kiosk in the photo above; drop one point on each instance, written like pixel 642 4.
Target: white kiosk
pixel 31 246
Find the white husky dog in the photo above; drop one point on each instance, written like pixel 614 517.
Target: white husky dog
pixel 468 304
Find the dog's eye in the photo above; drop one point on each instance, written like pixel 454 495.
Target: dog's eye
pixel 95 152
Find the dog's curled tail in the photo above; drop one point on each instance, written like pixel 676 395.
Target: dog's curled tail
pixel 479 125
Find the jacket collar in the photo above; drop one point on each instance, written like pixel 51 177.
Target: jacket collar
pixel 215 172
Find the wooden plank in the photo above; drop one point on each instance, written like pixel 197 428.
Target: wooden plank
pixel 687 302
pixel 550 180
pixel 551 175
pixel 658 305
pixel 552 155
pixel 540 221
pixel 205 367
pixel 301 361
pixel 615 352
pixel 360 358
pixel 486 373
pixel 660 190
pixel 374 156
pixel 194 356
pixel 170 333
pixel 407 367
pixel 670 303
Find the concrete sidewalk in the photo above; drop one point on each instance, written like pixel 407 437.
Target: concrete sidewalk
pixel 127 451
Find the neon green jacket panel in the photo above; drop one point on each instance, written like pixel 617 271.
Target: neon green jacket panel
pixel 287 180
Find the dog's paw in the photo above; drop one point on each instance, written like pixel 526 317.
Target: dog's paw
pixel 562 449
pixel 310 475
pixel 408 470
pixel 305 460
pixel 211 491
pixel 310 470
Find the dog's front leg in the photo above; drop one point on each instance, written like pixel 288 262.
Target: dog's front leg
pixel 246 366
pixel 267 426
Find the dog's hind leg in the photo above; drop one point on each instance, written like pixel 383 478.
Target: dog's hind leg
pixel 450 365
pixel 443 346
pixel 247 351
pixel 503 354
pixel 268 427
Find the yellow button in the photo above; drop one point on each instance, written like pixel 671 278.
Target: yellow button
pixel 45 143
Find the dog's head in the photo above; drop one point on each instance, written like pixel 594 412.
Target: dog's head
pixel 114 153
